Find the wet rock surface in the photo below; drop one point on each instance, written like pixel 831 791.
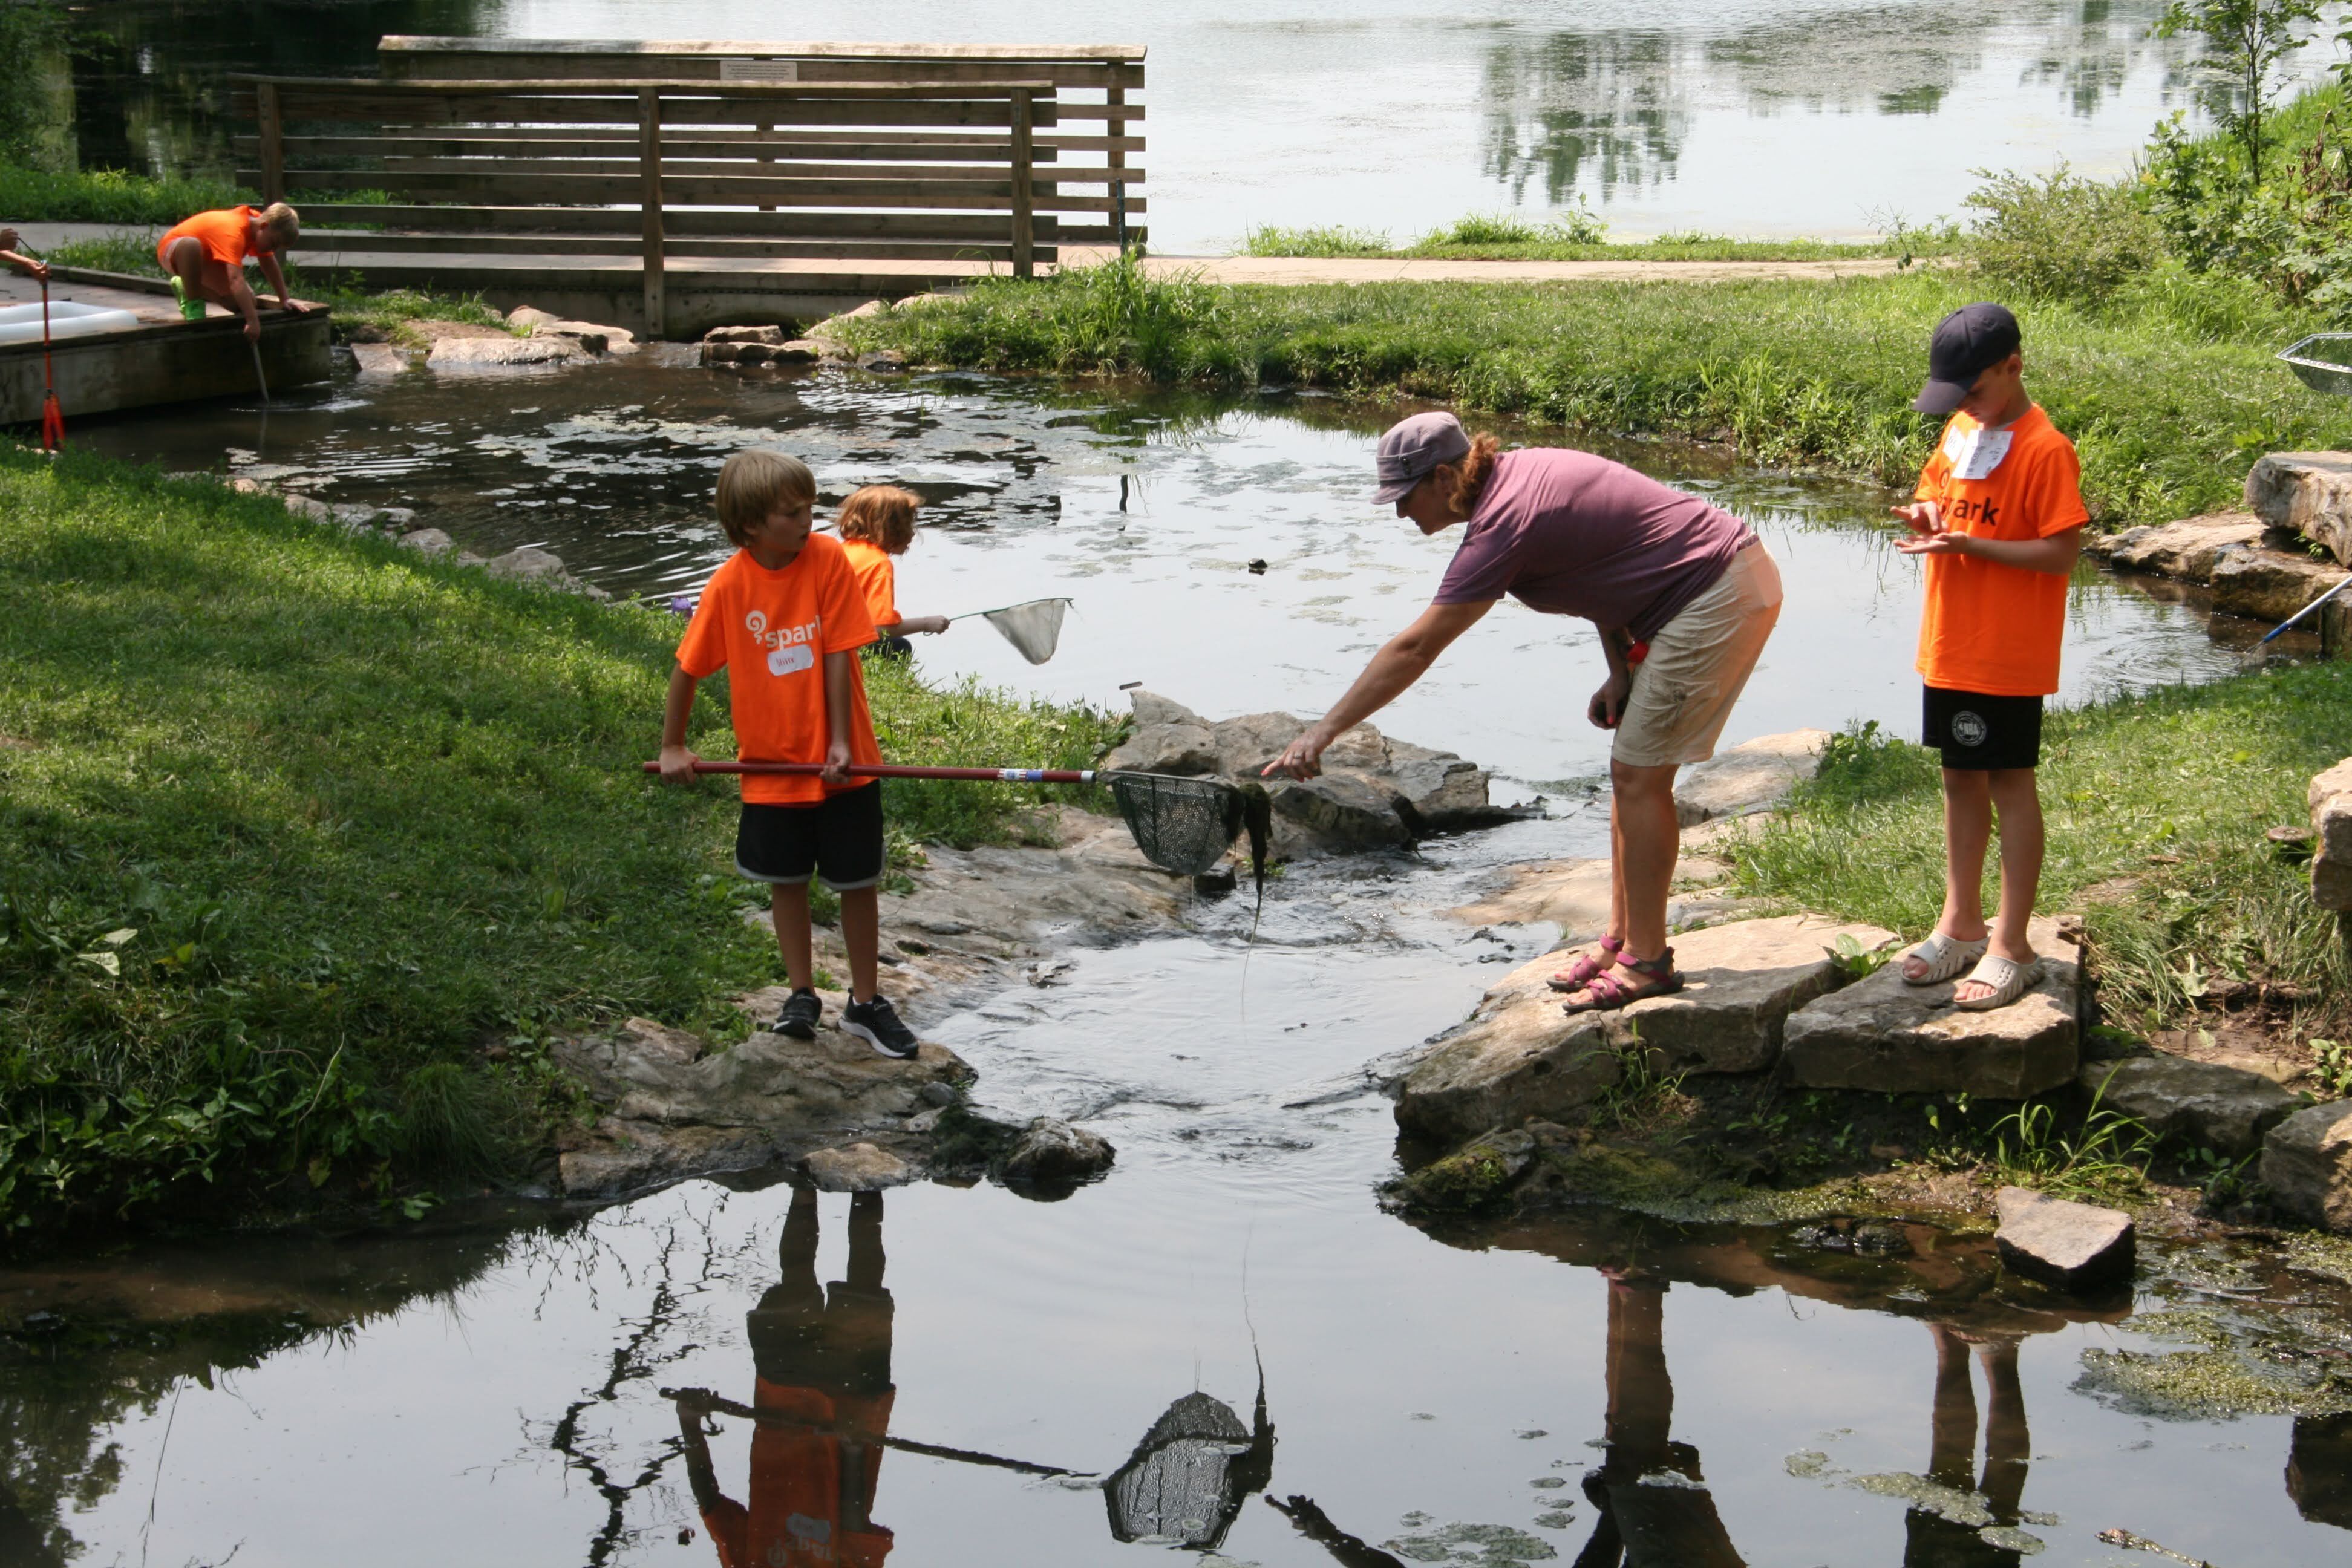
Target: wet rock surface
pixel 2309 493
pixel 1517 1056
pixel 2061 1242
pixel 2267 584
pixel 1754 776
pixel 858 1168
pixel 2307 1165
pixel 1052 1152
pixel 2200 1104
pixel 1374 793
pixel 1741 981
pixel 2185 549
pixel 506 352
pixel 1881 1034
pixel 2330 796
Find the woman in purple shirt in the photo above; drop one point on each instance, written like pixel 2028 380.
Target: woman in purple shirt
pixel 1569 533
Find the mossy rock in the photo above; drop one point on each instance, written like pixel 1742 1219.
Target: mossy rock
pixel 1477 1176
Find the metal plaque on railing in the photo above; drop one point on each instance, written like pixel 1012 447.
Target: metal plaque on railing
pixel 759 70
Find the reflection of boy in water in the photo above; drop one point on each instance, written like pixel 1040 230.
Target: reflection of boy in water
pixel 823 1393
pixel 1930 1539
pixel 1668 1523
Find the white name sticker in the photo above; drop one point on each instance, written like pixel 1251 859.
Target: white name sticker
pixel 1975 454
pixel 789 659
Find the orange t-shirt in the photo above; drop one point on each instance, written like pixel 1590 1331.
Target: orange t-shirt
pixel 877 577
pixel 772 630
pixel 803 1482
pixel 221 233
pixel 1986 626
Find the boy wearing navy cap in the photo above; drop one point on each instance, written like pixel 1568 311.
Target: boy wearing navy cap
pixel 1998 518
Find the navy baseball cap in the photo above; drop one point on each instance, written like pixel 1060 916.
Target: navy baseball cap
pixel 1967 342
pixel 1412 447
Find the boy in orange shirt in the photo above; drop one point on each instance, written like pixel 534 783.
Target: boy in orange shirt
pixel 785 618
pixel 1999 517
pixel 876 523
pixel 204 258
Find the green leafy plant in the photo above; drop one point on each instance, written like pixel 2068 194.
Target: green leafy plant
pixel 2106 1157
pixel 2242 43
pixel 2060 236
pixel 1643 1097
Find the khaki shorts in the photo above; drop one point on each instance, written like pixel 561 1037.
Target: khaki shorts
pixel 1699 664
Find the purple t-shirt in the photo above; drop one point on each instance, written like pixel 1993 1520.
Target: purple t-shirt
pixel 1570 533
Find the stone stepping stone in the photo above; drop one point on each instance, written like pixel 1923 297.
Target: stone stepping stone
pixel 1883 1034
pixel 2061 1242
pixel 2203 1104
pixel 2307 1165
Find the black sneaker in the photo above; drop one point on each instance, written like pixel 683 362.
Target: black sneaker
pixel 877 1023
pixel 798 1020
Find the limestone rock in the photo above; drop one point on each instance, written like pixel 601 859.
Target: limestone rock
pixel 634 1156
pixel 720 353
pixel 859 1168
pixel 1742 980
pixel 1150 708
pixel 882 362
pixel 378 362
pixel 2331 825
pixel 505 352
pixel 661 1040
pixel 2184 549
pixel 1517 1056
pixel 428 542
pixel 1439 792
pixel 1340 811
pixel 1185 749
pixel 2266 584
pixel 1571 894
pixel 529 565
pixel 1052 1152
pixel 2060 1242
pixel 1881 1034
pixel 829 327
pixel 804 1092
pixel 1475 1175
pixel 2204 1104
pixel 442 332
pixel 1751 776
pixel 590 335
pixel 798 350
pixel 2309 493
pixel 771 335
pixel 2307 1165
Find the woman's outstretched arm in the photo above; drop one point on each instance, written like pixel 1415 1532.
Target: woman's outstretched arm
pixel 1397 665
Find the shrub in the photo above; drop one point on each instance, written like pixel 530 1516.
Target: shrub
pixel 2061 236
pixel 1268 239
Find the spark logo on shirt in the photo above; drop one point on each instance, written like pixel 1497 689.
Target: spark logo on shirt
pixel 788 647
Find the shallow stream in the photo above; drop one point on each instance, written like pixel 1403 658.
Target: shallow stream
pixel 479 1388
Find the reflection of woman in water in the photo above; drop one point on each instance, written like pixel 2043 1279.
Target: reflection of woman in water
pixel 823 1393
pixel 1930 1539
pixel 1648 1519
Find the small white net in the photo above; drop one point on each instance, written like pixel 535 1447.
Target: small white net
pixel 1034 629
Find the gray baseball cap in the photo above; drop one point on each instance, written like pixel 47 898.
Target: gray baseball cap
pixel 1412 447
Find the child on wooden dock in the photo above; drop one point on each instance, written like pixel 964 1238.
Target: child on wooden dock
pixel 877 523
pixel 785 618
pixel 1999 516
pixel 205 256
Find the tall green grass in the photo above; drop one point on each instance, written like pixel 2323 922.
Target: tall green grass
pixel 2168 388
pixel 2156 805
pixel 293 826
pixel 109 195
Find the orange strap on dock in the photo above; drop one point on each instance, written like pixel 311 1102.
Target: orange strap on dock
pixel 53 416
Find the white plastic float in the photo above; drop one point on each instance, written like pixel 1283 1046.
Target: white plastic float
pixel 22 323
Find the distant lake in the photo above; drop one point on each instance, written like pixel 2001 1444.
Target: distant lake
pixel 1780 117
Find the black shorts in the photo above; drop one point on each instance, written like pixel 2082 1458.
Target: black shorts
pixel 839 840
pixel 1981 733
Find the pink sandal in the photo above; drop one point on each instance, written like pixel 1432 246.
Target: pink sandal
pixel 1580 974
pixel 1607 993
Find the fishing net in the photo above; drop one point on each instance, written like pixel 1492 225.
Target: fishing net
pixel 1186 824
pixel 1034 629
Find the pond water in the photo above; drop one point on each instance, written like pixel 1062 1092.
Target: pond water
pixel 586 1388
pixel 1818 117
pixel 1147 512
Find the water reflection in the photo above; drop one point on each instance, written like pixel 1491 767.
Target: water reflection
pixel 1572 106
pixel 1655 1508
pixel 821 1397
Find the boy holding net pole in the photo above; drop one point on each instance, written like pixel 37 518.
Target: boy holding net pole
pixel 785 617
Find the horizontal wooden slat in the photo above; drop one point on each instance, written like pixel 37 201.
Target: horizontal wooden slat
pixel 1000 87
pixel 1072 234
pixel 371 107
pixel 942 146
pixel 513 185
pixel 404 172
pixel 369 243
pixel 424 44
pixel 679 221
pixel 1061 74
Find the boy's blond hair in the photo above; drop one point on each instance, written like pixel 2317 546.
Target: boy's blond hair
pixel 753 483
pixel 882 515
pixel 282 222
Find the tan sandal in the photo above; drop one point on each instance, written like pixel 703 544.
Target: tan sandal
pixel 1943 957
pixel 2008 978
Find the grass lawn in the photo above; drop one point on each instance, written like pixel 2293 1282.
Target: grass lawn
pixel 2155 809
pixel 2168 390
pixel 296 824
pixel 1528 242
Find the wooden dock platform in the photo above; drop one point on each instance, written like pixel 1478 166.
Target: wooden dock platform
pixel 157 357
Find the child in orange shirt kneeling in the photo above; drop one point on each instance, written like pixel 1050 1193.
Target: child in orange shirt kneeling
pixel 876 523
pixel 785 618
pixel 1999 518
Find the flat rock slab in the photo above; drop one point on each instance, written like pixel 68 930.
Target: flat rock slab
pixel 1741 981
pixel 2307 1165
pixel 1754 776
pixel 505 352
pixel 2204 1104
pixel 2309 493
pixel 2266 584
pixel 859 1168
pixel 2185 549
pixel 2331 826
pixel 2061 1242
pixel 635 1156
pixel 1517 1056
pixel 1881 1034
pixel 380 362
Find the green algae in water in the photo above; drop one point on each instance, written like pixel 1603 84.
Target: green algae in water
pixel 1928 1496
pixel 1558 1519
pixel 1809 1464
pixel 1474 1546
pixel 2010 1540
pixel 2277 1366
pixel 2328 1256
